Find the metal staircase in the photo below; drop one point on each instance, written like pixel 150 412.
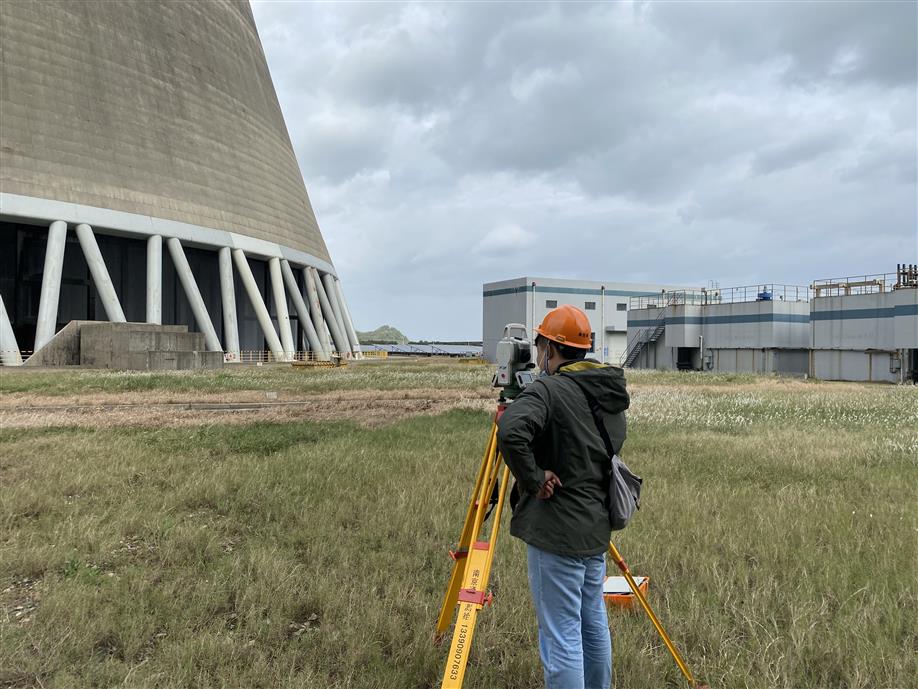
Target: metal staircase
pixel 644 336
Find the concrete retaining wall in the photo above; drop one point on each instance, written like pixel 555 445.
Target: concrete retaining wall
pixel 127 346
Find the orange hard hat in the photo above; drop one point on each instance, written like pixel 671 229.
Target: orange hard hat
pixel 567 325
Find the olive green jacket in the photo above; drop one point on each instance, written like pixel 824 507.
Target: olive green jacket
pixel 549 426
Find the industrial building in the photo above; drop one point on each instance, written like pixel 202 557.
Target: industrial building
pixel 866 327
pixel 859 329
pixel 134 128
pixel 762 329
pixel 526 300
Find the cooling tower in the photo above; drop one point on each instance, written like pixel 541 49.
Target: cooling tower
pixel 130 126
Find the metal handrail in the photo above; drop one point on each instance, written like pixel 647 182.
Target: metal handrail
pixel 266 356
pixel 636 339
pixel 664 299
pixel 760 292
pixel 854 284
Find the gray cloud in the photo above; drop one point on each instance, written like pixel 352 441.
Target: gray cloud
pixel 445 145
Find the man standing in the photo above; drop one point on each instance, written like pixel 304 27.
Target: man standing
pixel 550 441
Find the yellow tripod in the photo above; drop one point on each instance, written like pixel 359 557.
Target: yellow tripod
pixel 473 557
pixel 468 582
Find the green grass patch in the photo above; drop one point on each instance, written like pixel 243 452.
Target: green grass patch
pixel 778 528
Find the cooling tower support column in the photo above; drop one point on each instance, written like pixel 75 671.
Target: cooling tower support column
pixel 201 317
pixel 261 311
pixel 328 280
pixel 9 349
pixel 51 284
pixel 328 311
pixel 99 272
pixel 228 299
pixel 280 306
pixel 348 323
pixel 315 308
pixel 302 313
pixel 155 279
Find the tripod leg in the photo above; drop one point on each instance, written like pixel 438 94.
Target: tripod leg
pixel 469 535
pixel 472 596
pixel 620 563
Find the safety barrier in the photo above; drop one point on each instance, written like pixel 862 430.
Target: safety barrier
pixel 262 356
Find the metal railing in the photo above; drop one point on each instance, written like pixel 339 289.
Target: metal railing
pixel 855 284
pixel 261 356
pixel 761 292
pixel 664 299
pixel 643 335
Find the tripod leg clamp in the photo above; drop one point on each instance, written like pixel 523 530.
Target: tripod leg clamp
pixel 475 596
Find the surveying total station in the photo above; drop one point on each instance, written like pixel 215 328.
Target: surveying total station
pixel 474 555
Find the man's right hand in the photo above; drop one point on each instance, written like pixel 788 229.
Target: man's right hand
pixel 548 487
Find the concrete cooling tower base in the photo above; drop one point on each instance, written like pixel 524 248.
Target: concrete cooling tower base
pixel 135 129
pixel 111 267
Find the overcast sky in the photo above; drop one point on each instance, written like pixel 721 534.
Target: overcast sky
pixel 451 144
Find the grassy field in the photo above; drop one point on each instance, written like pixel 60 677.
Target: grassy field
pixel 779 528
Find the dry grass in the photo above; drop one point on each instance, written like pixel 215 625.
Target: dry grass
pixel 779 528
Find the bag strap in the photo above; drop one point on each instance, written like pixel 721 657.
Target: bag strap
pixel 600 426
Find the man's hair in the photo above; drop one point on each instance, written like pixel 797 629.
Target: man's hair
pixel 566 352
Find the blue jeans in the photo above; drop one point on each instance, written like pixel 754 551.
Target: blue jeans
pixel 574 640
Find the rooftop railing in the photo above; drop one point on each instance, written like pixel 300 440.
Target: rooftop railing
pixel 727 295
pixel 663 299
pixel 854 284
pixel 761 292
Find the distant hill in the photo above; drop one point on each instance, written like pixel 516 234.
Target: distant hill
pixel 384 334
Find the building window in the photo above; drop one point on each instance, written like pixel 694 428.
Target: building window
pixel 551 303
pixel 592 342
pixel 621 306
pixel 589 305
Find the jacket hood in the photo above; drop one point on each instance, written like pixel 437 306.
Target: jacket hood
pixel 606 384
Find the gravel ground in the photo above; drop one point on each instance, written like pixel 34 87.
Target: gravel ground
pixel 366 407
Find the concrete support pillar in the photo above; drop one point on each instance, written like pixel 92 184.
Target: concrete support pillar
pixel 261 311
pixel 315 308
pixel 348 323
pixel 155 279
pixel 302 313
pixel 99 272
pixel 228 299
pixel 328 280
pixel 9 348
pixel 50 284
pixel 186 277
pixel 341 343
pixel 280 306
